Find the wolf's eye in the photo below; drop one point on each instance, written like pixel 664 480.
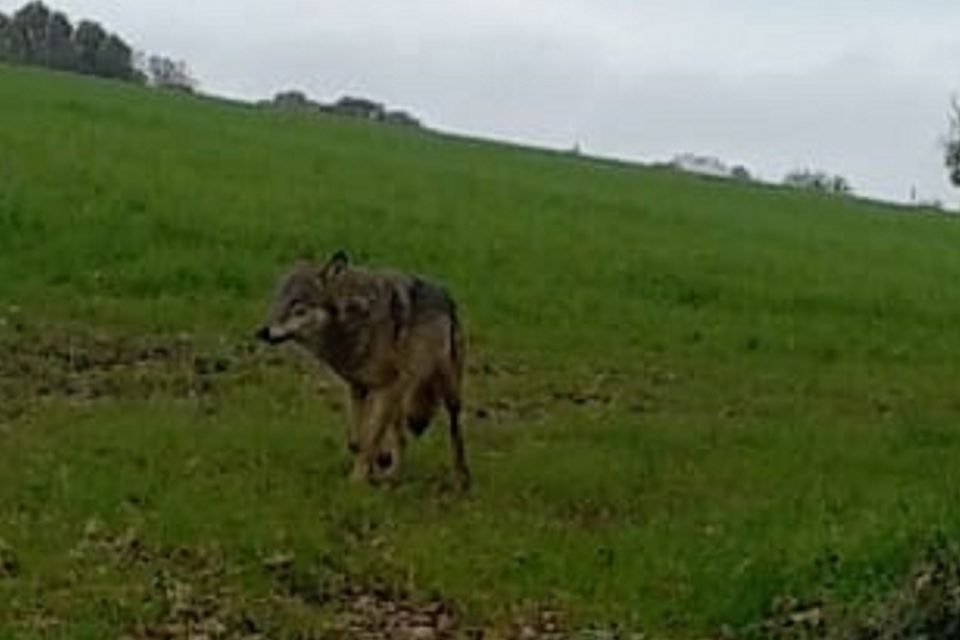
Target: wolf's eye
pixel 298 310
pixel 330 309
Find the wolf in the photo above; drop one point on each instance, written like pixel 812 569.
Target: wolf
pixel 397 342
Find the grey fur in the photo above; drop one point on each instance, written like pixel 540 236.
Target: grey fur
pixel 397 342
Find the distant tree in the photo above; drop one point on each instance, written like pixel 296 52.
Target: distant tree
pixel 840 185
pixel 13 42
pixel 166 73
pixel 88 38
pixel 292 99
pixel 350 106
pixel 58 46
pixel 4 37
pixel 818 181
pixel 359 108
pixel 36 35
pixel 701 164
pixel 401 118
pixel 740 172
pixel 115 59
pixel 803 178
pixel 953 144
pixel 30 25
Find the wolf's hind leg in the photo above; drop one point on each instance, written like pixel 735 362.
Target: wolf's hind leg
pixel 450 384
pixel 421 405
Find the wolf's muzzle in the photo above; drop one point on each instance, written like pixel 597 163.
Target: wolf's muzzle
pixel 264 334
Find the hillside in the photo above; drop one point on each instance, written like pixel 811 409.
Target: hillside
pixel 689 399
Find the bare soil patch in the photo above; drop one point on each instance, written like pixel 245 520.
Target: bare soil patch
pixel 87 366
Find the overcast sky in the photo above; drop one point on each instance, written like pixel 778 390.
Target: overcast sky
pixel 858 87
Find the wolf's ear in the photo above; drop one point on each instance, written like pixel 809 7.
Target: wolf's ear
pixel 336 265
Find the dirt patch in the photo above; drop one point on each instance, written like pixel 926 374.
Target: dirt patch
pixel 192 593
pixel 169 594
pixel 582 398
pixel 486 367
pixel 86 366
pixel 926 605
pixel 641 391
pixel 794 619
pixel 507 410
pixel 385 614
pixel 191 596
pixel 539 406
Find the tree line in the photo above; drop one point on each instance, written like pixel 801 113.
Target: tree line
pixel 817 180
pixel 814 180
pixel 36 35
pixel 39 36
pixel 362 108
pixel 821 181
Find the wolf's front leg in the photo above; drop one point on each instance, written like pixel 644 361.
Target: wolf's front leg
pixel 381 410
pixel 390 458
pixel 358 397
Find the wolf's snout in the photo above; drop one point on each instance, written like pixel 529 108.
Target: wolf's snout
pixel 270 335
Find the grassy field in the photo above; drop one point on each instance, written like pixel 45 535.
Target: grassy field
pixel 694 405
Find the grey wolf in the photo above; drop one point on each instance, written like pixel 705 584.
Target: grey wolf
pixel 396 341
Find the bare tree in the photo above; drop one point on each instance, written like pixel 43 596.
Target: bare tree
pixel 818 181
pixel 166 73
pixel 952 155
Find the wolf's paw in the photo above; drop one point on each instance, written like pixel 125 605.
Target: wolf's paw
pixel 461 481
pixel 359 475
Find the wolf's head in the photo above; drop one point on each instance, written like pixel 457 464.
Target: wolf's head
pixel 304 304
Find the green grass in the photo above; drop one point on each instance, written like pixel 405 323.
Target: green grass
pixel 699 396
